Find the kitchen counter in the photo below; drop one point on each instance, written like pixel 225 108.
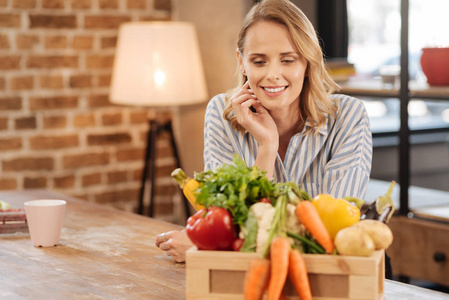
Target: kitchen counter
pixel 105 253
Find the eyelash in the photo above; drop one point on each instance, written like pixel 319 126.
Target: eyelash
pixel 258 62
pixel 261 62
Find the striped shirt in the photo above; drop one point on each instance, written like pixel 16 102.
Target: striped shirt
pixel 336 161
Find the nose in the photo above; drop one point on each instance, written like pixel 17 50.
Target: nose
pixel 274 72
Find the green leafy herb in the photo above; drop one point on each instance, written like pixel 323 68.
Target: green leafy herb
pixel 235 187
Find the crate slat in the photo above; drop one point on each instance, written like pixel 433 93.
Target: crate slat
pixel 219 275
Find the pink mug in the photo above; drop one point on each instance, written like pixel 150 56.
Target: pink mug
pixel 44 218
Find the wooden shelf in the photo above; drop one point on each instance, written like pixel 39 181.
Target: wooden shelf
pixel 367 87
pixel 423 90
pixel 375 88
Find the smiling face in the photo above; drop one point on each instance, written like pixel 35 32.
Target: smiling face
pixel 274 68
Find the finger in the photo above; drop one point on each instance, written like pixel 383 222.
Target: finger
pixel 243 111
pixel 248 103
pixel 244 101
pixel 176 255
pixel 165 246
pixel 241 97
pixel 259 107
pixel 171 253
pixel 160 238
pixel 244 90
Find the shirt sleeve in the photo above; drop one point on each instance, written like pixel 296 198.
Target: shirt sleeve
pixel 217 144
pixel 347 172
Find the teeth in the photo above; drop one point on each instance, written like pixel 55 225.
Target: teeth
pixel 275 90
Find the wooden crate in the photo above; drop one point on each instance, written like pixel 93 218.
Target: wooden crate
pixel 220 275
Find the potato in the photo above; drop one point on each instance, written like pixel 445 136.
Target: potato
pixel 353 241
pixel 378 231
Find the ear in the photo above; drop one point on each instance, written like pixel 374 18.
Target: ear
pixel 240 61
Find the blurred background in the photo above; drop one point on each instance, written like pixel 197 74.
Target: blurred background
pixel 59 131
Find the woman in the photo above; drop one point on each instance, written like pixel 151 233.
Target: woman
pixel 282 117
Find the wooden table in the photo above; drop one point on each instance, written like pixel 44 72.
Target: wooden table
pixel 105 254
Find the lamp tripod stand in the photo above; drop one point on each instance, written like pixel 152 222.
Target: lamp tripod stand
pixel 149 170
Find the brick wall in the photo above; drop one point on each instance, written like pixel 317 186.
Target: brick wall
pixel 57 128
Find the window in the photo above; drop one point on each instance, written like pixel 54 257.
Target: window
pixel 374 42
pixel 374 32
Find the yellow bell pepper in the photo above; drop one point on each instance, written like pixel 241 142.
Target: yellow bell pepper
pixel 188 186
pixel 335 213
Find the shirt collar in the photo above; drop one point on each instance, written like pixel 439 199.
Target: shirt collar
pixel 322 130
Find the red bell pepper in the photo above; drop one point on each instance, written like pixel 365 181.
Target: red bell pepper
pixel 211 229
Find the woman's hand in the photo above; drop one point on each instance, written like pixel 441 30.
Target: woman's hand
pixel 259 123
pixel 175 243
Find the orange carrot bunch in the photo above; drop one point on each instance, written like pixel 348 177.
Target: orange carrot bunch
pixel 284 262
pixel 269 275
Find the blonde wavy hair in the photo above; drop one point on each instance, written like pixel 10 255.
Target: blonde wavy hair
pixel 315 101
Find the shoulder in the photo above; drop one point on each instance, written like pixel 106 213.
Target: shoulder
pixel 217 103
pixel 215 109
pixel 348 105
pixel 345 100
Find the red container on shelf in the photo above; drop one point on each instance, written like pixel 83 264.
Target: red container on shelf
pixel 435 65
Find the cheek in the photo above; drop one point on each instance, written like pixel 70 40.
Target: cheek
pixel 253 73
pixel 298 73
pixel 254 76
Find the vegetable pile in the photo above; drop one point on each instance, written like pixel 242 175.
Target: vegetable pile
pixel 239 209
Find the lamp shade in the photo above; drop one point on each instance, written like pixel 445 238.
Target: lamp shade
pixel 157 64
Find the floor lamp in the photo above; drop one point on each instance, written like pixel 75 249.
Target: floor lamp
pixel 157 64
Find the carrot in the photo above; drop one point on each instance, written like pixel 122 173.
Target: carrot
pixel 307 215
pixel 297 273
pixel 256 278
pixel 279 255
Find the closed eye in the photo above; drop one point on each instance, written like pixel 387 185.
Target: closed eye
pixel 288 59
pixel 258 62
